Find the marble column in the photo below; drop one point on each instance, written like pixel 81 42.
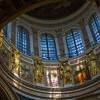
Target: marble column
pixel 61 45
pixel 13 32
pixel 35 43
pixel 85 34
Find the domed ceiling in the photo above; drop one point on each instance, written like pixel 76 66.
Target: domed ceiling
pixel 55 11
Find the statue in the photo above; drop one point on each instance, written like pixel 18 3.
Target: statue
pixel 65 71
pixel 38 70
pixel 15 61
pixel 1 38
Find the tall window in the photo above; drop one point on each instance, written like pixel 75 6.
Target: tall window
pixel 23 40
pixel 94 24
pixel 5 31
pixel 48 47
pixel 74 43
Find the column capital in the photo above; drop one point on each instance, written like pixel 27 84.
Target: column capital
pixel 60 33
pixel 82 22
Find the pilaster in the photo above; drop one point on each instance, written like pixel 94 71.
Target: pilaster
pixel 84 33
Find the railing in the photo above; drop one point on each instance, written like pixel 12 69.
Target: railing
pixel 63 73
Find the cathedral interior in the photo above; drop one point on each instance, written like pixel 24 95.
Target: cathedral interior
pixel 49 49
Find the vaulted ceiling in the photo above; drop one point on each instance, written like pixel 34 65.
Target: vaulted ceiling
pixel 55 11
pixel 42 9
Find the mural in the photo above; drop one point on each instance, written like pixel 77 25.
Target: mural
pixel 25 72
pixel 64 73
pixel 52 77
pixel 38 70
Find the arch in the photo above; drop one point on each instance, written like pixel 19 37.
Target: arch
pixel 28 27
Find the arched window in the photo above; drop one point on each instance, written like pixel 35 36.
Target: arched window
pixel 23 40
pixel 74 43
pixel 5 31
pixel 48 47
pixel 94 25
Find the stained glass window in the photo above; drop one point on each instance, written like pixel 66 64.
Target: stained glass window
pixel 23 40
pixel 48 47
pixel 74 43
pixel 94 24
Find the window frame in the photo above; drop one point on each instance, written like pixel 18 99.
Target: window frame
pixel 26 48
pixel 47 46
pixel 93 19
pixel 75 45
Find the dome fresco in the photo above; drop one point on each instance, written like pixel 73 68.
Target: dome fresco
pixel 51 51
pixel 55 11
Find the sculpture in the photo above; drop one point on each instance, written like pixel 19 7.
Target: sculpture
pixel 1 38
